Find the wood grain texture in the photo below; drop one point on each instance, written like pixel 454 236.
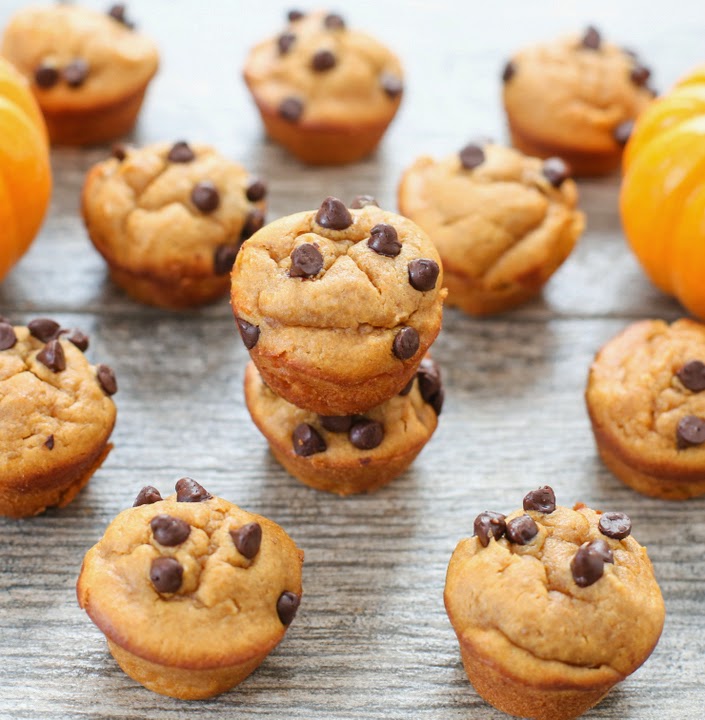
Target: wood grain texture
pixel 371 639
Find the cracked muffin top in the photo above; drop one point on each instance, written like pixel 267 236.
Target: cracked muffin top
pixel 192 580
pixel 555 593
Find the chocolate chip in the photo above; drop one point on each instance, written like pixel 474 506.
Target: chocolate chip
pixel 146 496
pixel 287 605
pixel 430 384
pixel 384 240
pixel 391 84
pixel 117 12
pixel 588 564
pixel 53 356
pixel 556 171
pixel 366 434
pixel 640 74
pixel 205 196
pixel 77 338
pixel 253 222
pixel 188 490
pixel 166 574
pixel 690 432
pixel 542 500
pixel 49 442
pixel 423 274
pixel 471 156
pixel 336 423
pixel 307 441
pixel 256 190
pixel 291 109
pixel 591 38
pixel 323 60
pixel 294 15
pixel 168 530
pixel 44 329
pixel 224 258
pixel 616 525
pixel 106 379
pixel 306 261
pixel 489 525
pixel 46 76
pixel 333 21
pixel 119 151
pixel 333 214
pixel 285 41
pixel 521 530
pixel 7 336
pixel 248 332
pixel 248 539
pixel 623 132
pixel 692 375
pixel 407 388
pixel 509 71
pixel 361 201
pixel 75 73
pixel 181 153
pixel 406 343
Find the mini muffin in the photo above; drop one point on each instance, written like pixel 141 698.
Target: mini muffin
pixel 646 400
pixel 338 307
pixel 89 71
pixel 349 453
pixel 324 92
pixel 191 592
pixel 576 97
pixel 502 222
pixel 57 416
pixel 170 219
pixel 552 606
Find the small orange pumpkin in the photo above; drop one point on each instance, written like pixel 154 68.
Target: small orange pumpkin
pixel 25 173
pixel 662 200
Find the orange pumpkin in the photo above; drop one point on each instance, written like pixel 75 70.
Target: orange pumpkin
pixel 662 200
pixel 25 173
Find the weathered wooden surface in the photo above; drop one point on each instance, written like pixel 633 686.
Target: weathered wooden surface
pixel 371 639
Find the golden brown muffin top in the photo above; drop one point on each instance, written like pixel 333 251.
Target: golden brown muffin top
pixel 550 593
pixel 76 57
pixel 319 71
pixel 192 580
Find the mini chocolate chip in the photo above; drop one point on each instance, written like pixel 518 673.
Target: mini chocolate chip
pixel 291 109
pixel 392 85
pixel 336 423
pixel 600 547
pixel 406 343
pixel 384 240
pixel 46 76
pixel 106 379
pixel 181 153
pixel 166 574
pixel 248 539
pixel 690 432
pixel 616 525
pixel 522 530
pixel 49 442
pixel 224 258
pixel 430 384
pixel 44 329
pixel 248 332
pixel 591 38
pixel 556 171
pixel 119 151
pixel 117 12
pixel 471 156
pixel 256 190
pixel 542 500
pixel 366 434
pixel 623 132
pixel 205 196
pixel 306 261
pixel 307 441
pixel 53 356
pixel 7 336
pixel 188 490
pixel 423 274
pixel 588 564
pixel 489 525
pixel 75 73
pixel 253 222
pixel 146 496
pixel 640 74
pixel 407 388
pixel 333 214
pixel 77 338
pixel 294 15
pixel 333 21
pixel 361 201
pixel 692 375
pixel 323 60
pixel 509 71
pixel 287 605
pixel 168 530
pixel 285 41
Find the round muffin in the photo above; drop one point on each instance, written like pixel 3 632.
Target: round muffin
pixel 576 97
pixel 89 71
pixel 338 307
pixel 191 592
pixel 170 219
pixel 326 93
pixel 57 416
pixel 647 407
pixel 502 222
pixel 552 606
pixel 350 453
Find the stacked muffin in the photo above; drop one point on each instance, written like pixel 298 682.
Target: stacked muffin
pixel 332 386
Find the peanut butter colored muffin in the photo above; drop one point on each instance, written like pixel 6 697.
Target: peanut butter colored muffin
pixel 57 416
pixel 502 222
pixel 349 453
pixel 575 97
pixel 646 400
pixel 89 71
pixel 326 93
pixel 338 307
pixel 552 606
pixel 170 219
pixel 191 592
